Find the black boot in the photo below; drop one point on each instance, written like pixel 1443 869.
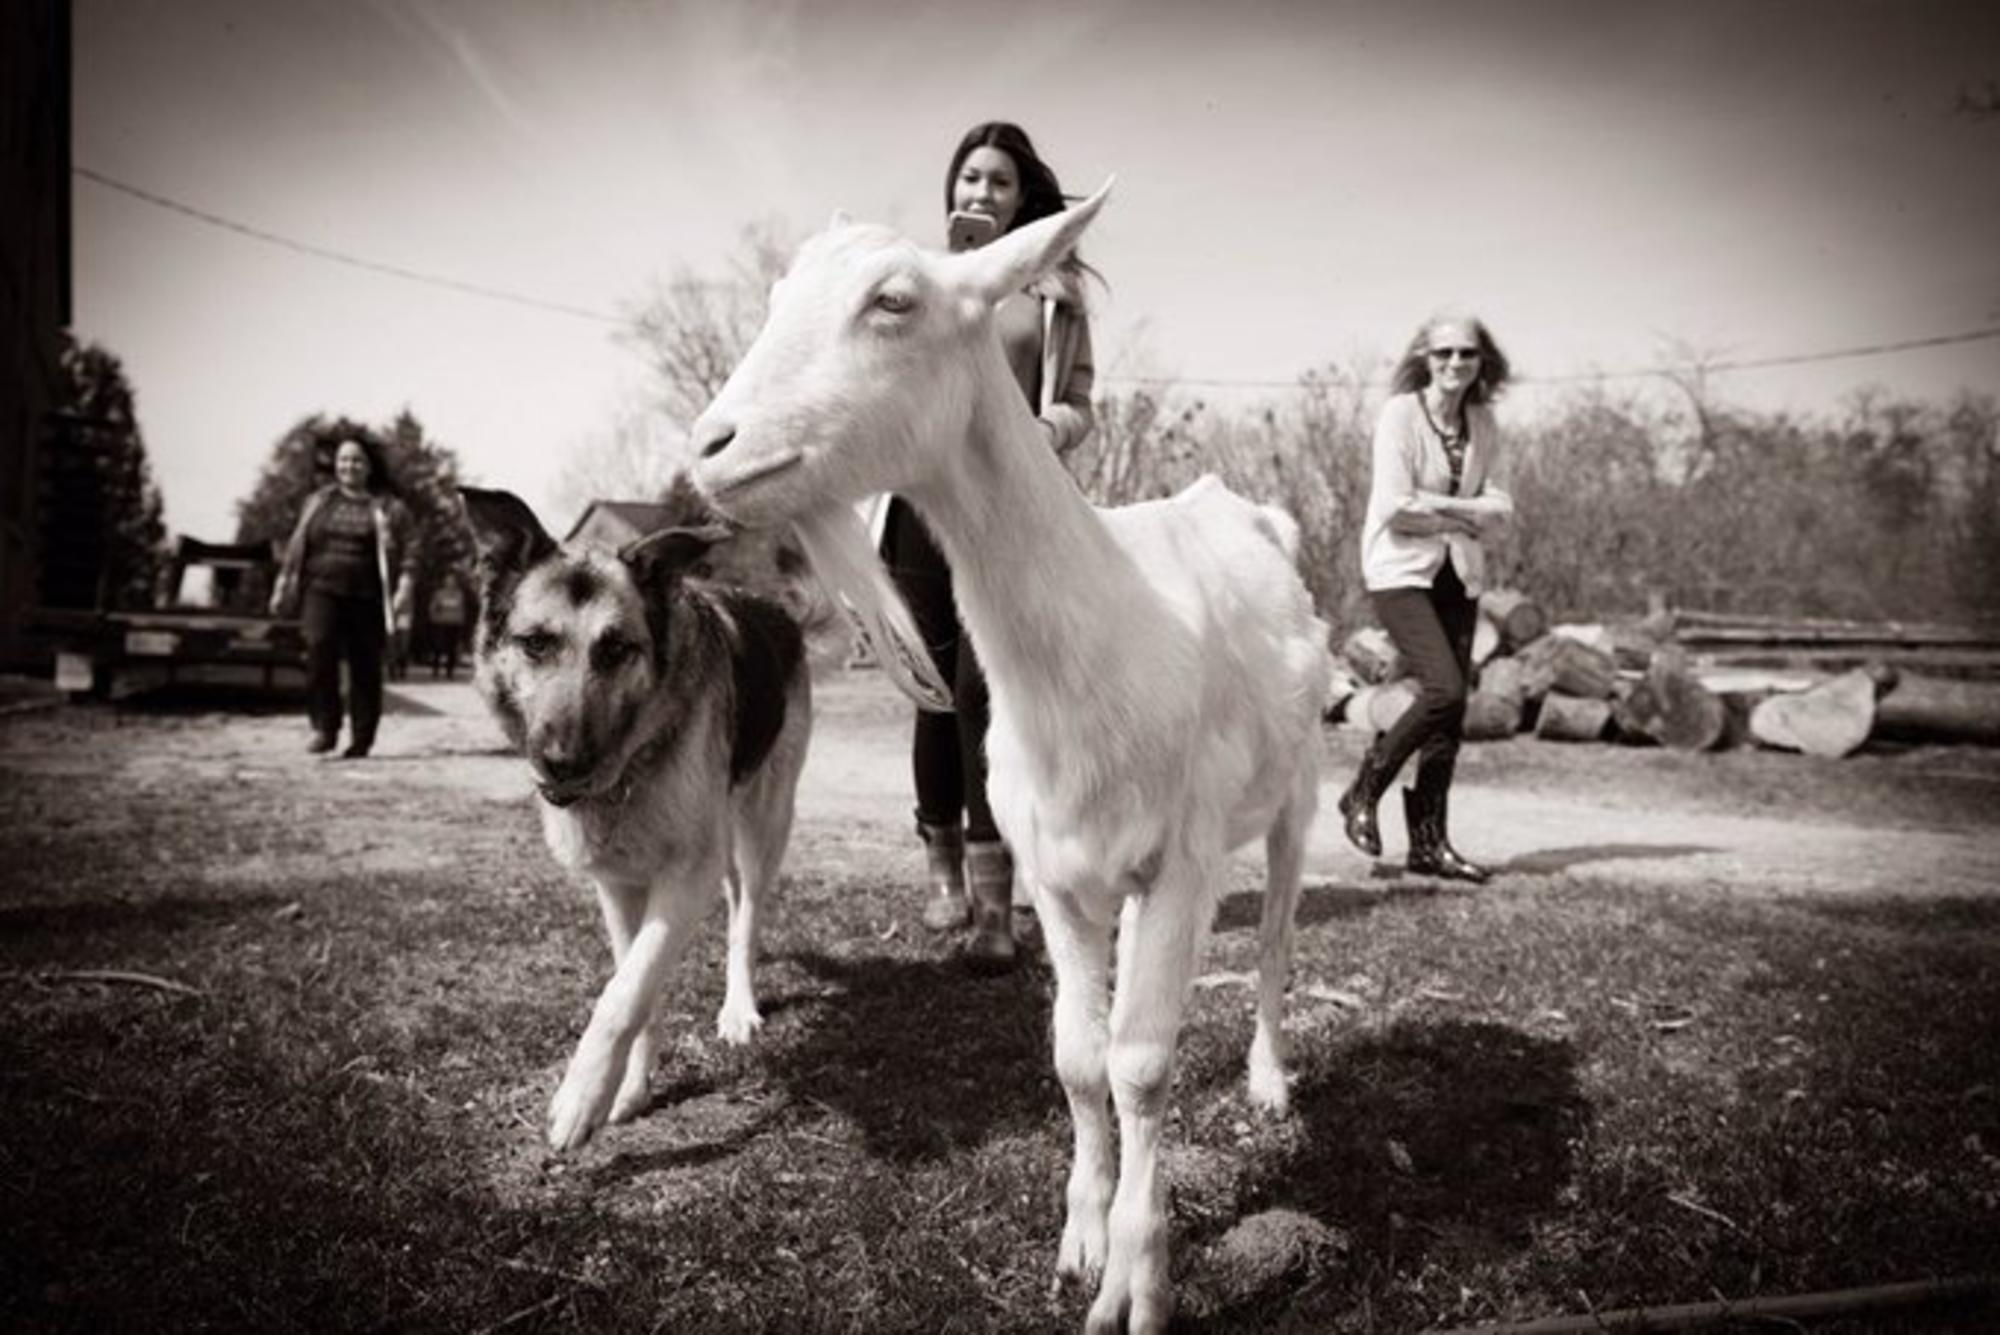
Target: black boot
pixel 1357 804
pixel 1431 853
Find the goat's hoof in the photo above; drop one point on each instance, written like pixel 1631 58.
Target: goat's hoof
pixel 1080 1258
pixel 631 1102
pixel 737 1024
pixel 1271 1089
pixel 581 1105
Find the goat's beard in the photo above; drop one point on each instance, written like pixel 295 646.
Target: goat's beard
pixel 836 543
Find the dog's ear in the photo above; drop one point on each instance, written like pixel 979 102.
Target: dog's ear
pixel 664 556
pixel 505 530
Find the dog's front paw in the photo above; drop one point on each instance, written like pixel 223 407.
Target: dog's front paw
pixel 738 1021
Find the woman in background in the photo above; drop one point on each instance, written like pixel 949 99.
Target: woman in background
pixel 1432 504
pixel 995 182
pixel 337 568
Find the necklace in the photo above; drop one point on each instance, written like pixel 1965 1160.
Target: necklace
pixel 1453 440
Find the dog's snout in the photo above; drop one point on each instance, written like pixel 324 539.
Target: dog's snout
pixel 561 765
pixel 711 440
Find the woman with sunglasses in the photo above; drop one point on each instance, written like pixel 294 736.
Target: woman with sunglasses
pixel 1432 504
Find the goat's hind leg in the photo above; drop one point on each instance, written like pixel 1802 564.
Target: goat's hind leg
pixel 1284 853
pixel 1079 951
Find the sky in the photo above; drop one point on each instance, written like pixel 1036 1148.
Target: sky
pixel 1297 183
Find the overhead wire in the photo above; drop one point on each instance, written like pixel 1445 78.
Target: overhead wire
pixel 1195 382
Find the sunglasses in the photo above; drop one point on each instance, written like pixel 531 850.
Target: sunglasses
pixel 1450 354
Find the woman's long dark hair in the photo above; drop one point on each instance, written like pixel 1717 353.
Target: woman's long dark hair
pixel 1413 372
pixel 379 481
pixel 1041 194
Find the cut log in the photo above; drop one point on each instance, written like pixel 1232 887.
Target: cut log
pixel 1492 716
pixel 1388 702
pixel 1497 706
pixel 1635 713
pixel 1572 718
pixel 1372 655
pixel 1673 708
pixel 1485 642
pixel 1929 709
pixel 1519 618
pixel 1832 719
pixel 1562 663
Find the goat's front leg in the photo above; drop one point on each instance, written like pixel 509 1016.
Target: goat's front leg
pixel 1079 949
pixel 1159 947
pixel 607 1074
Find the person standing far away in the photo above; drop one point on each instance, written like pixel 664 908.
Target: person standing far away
pixel 1433 504
pixel 337 569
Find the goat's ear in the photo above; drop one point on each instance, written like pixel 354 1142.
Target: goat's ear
pixel 1005 265
pixel 664 556
pixel 504 529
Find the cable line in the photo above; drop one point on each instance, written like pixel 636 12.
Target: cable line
pixel 1195 382
pixel 338 257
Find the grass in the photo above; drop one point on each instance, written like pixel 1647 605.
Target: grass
pixel 1560 1090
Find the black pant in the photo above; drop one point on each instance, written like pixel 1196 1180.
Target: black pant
pixel 948 752
pixel 350 628
pixel 1432 629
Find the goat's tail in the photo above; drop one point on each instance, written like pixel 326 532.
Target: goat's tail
pixel 837 545
pixel 1276 523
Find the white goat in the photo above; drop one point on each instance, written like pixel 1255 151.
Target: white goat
pixel 1157 673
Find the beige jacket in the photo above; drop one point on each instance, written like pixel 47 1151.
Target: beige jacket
pixel 1408 458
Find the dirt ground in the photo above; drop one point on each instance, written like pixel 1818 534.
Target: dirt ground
pixel 1693 971
pixel 1922 821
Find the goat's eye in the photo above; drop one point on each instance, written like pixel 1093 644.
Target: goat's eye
pixel 536 644
pixel 611 653
pixel 893 302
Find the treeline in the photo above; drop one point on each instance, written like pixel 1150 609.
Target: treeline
pixel 1889 509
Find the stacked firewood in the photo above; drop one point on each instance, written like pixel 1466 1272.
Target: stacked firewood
pixel 1663 680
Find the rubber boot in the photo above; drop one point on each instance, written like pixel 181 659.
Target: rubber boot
pixel 1357 804
pixel 946 908
pixel 989 877
pixel 1431 853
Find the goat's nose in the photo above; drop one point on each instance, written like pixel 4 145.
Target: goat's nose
pixel 712 439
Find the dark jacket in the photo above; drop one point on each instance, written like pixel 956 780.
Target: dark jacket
pixel 393 552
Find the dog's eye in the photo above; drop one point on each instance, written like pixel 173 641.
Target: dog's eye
pixel 611 653
pixel 536 644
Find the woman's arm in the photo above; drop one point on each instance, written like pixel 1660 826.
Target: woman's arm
pixel 1070 418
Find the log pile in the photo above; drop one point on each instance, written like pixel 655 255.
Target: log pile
pixel 1693 681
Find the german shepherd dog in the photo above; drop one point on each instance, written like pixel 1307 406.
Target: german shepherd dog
pixel 665 716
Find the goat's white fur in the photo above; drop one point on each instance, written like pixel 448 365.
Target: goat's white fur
pixel 1157 674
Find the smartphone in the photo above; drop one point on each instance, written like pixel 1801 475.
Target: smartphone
pixel 969 231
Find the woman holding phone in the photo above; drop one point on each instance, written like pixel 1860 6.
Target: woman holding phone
pixel 995 182
pixel 1432 504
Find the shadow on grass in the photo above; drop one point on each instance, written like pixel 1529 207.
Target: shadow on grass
pixel 1318 903
pixel 1549 861
pixel 1433 1139
pixel 926 1059
pixel 169 914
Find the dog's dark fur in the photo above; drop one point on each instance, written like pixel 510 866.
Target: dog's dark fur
pixel 665 716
